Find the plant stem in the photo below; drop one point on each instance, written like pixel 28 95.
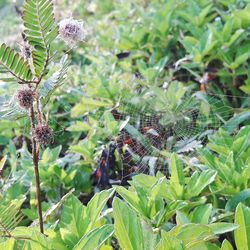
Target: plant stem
pixel 35 156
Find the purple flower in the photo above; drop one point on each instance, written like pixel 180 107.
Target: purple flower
pixel 71 31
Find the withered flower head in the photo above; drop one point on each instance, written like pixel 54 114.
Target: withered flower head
pixel 71 31
pixel 43 134
pixel 25 98
pixel 26 51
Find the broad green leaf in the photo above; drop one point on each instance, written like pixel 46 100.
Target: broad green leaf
pixel 222 227
pixel 95 238
pixel 9 244
pixel 149 237
pixel 77 220
pixel 38 240
pixel 191 233
pixel 199 181
pixel 170 243
pixel 177 176
pixel 200 245
pixel 71 223
pixel 235 200
pixel 130 197
pixel 201 214
pixel 95 207
pixel 128 229
pixel 242 234
pixel 234 122
pixel 88 105
pixel 226 245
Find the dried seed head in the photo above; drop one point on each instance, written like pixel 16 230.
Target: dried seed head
pixel 25 98
pixel 43 134
pixel 26 52
pixel 71 31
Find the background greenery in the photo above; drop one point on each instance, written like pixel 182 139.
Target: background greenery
pixel 179 69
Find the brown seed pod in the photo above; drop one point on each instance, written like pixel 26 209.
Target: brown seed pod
pixel 43 134
pixel 25 98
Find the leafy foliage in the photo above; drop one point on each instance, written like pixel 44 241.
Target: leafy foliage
pixel 10 217
pixel 40 31
pixel 15 63
pixel 155 104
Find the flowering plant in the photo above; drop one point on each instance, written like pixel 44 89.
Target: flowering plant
pixel 30 68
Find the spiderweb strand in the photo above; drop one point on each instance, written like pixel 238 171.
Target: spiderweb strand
pixel 182 129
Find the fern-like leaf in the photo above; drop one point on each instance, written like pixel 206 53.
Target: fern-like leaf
pixel 9 109
pixel 10 217
pixel 40 31
pixel 55 81
pixel 15 64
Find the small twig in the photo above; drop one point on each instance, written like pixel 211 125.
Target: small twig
pixel 5 229
pixel 17 238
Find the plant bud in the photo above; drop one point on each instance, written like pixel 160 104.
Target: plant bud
pixel 25 98
pixel 43 134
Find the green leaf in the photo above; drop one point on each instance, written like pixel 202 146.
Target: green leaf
pixel 128 227
pixel 242 234
pixel 40 31
pixel 77 220
pixel 170 243
pixel 95 238
pixel 234 122
pixel 10 244
pixel 226 245
pixel 95 207
pixel 88 105
pixel 15 64
pixel 71 223
pixel 131 198
pixel 201 214
pixel 222 227
pixel 37 240
pixel 235 200
pixel 53 209
pixel 198 182
pixel 177 176
pixel 191 233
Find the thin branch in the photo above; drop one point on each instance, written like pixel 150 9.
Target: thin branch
pixel 35 156
pixel 5 229
pixel 21 81
pixel 17 238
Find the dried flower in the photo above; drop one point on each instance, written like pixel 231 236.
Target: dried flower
pixel 71 31
pixel 25 98
pixel 43 134
pixel 26 51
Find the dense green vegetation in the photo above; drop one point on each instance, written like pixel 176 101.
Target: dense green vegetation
pixel 150 113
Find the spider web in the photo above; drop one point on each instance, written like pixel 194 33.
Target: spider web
pixel 149 134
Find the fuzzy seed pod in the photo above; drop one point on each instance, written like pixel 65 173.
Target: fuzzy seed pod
pixel 43 134
pixel 25 98
pixel 71 31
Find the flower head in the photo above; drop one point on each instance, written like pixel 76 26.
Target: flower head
pixel 26 51
pixel 71 31
pixel 25 97
pixel 43 134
